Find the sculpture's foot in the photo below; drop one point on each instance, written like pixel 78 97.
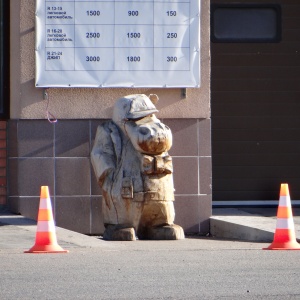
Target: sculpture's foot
pixel 165 232
pixel 117 233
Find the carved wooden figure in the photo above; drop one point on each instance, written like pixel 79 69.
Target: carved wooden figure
pixel 131 162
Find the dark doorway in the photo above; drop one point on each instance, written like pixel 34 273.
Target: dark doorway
pixel 255 114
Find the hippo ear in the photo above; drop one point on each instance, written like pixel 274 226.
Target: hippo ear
pixel 154 98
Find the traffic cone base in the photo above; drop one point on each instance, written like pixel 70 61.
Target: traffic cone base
pixel 46 249
pixel 45 241
pixel 291 245
pixel 285 239
pixel 284 236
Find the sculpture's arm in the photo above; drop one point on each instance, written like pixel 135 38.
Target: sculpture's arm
pixel 103 155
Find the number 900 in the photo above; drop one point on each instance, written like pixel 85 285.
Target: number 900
pixel 133 13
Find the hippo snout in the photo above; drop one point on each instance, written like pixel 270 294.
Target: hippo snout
pixel 154 142
pixel 150 138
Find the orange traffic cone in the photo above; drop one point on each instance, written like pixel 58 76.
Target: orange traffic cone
pixel 284 237
pixel 45 240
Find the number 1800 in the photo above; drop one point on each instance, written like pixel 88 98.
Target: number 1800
pixel 133 58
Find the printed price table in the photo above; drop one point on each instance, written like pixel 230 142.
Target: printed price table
pixel 118 43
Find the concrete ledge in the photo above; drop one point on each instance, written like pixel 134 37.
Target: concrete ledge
pixel 231 223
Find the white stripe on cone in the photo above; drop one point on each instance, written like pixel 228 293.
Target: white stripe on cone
pixel 45 203
pixel 45 226
pixel 285 201
pixel 285 223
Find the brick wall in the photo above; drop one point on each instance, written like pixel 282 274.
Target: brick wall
pixel 3 156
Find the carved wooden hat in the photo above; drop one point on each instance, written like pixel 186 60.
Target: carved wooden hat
pixel 133 107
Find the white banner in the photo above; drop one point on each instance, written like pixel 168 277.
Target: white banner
pixel 108 43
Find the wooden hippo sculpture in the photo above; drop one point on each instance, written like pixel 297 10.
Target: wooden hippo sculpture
pixel 134 170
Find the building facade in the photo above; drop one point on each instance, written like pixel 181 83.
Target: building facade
pixel 236 138
pixel 57 154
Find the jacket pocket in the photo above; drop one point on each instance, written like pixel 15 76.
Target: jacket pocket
pixel 127 188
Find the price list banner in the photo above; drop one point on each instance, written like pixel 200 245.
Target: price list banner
pixel 118 43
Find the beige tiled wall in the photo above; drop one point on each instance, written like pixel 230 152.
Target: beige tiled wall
pixel 58 155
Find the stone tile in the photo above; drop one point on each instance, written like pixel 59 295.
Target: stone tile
pixel 205 175
pixel 185 136
pixel 205 205
pixel 185 175
pixel 73 213
pixel 72 176
pixel 12 138
pixel 204 137
pixel 29 206
pixel 95 188
pixel 13 176
pixel 13 204
pixel 27 175
pixel 72 138
pixel 97 226
pixel 187 213
pixel 35 138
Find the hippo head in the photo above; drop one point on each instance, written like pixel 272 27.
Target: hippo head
pixel 134 115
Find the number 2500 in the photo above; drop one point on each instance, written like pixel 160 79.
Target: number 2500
pixel 92 35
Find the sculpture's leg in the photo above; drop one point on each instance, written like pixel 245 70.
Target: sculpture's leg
pixel 119 233
pixel 157 222
pixel 122 225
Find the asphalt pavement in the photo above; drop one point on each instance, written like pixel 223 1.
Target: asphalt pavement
pixel 193 268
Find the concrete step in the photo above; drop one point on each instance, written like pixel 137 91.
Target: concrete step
pixel 232 223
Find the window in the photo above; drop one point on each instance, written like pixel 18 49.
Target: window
pixel 240 23
pixel 4 58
